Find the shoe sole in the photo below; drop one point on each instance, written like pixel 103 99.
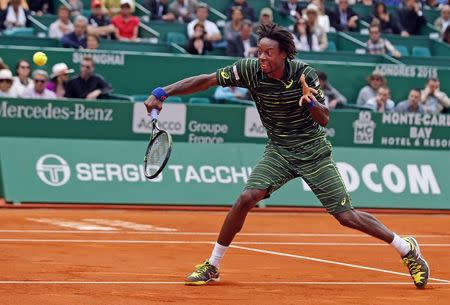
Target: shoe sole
pixel 416 245
pixel 201 283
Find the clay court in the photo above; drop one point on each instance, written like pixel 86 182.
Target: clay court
pixel 95 256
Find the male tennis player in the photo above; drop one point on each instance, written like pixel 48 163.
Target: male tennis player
pixel 291 106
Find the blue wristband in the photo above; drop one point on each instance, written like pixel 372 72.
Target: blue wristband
pixel 160 94
pixel 312 104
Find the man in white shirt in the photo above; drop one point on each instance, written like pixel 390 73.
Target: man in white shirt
pixel 62 25
pixel 212 31
pixel 382 102
pixel 40 78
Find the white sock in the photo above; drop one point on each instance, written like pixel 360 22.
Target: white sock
pixel 217 254
pixel 400 245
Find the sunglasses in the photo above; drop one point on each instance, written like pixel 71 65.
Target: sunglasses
pixel 5 80
pixel 86 66
pixel 40 80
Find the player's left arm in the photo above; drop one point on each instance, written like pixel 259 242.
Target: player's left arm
pixel 313 98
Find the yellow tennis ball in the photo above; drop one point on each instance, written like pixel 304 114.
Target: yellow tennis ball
pixel 39 58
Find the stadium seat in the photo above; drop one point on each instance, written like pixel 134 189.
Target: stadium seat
pixel 178 38
pixel 402 49
pixel 174 99
pixel 421 52
pixel 198 100
pixel 28 32
pixel 331 47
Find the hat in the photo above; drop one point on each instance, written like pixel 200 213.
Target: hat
pixel 312 8
pixel 266 11
pixel 40 72
pixel 60 69
pixel 96 3
pixel 123 2
pixel 6 74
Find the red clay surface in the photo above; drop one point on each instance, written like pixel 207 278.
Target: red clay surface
pixel 48 257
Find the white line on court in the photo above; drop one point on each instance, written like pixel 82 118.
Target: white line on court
pixel 180 283
pixel 328 261
pixel 209 233
pixel 118 241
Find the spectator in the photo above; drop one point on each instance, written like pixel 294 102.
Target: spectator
pixel 212 31
pixel 265 17
pixel 411 18
pixel 332 96
pixel 247 11
pixel 87 85
pixel 14 16
pixel 446 35
pixel 159 10
pixel 243 45
pixel 412 104
pixel 312 20
pixel 4 4
pixel 41 7
pixel 431 4
pixel 6 80
pixel 432 98
pixel 114 6
pixel 230 93
pixel 184 10
pixel 197 44
pixel 378 45
pixel 324 20
pixel 232 27
pixel 388 23
pixel 92 42
pixel 99 22
pixel 22 81
pixel 442 22
pixel 62 26
pixel 374 81
pixel 291 8
pixel 39 91
pixel 76 7
pixel 382 102
pixel 77 38
pixel 126 24
pixel 304 38
pixel 59 78
pixel 344 18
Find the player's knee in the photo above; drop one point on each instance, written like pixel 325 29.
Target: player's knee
pixel 348 219
pixel 249 198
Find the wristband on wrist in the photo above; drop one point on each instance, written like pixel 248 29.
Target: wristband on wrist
pixel 160 94
pixel 312 104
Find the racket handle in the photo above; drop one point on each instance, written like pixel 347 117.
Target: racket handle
pixel 154 114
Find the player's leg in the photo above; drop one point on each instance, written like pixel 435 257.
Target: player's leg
pixel 271 173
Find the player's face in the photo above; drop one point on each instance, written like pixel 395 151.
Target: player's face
pixel 271 59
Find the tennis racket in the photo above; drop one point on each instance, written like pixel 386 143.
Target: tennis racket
pixel 158 149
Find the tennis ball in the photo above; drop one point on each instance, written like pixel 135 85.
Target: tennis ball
pixel 39 58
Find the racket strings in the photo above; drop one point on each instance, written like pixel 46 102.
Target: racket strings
pixel 157 154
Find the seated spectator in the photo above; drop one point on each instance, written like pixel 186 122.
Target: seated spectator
pixel 265 17
pixel 332 96
pixel 4 4
pixel 6 80
pixel 411 18
pixel 92 42
pixel 77 38
pixel 159 10
pixel 378 45
pixel 59 78
pixel 312 20
pixel 184 10
pixel 304 38
pixel 412 104
pixel 243 45
pixel 41 7
pixel 431 4
pixel 14 16
pixel 127 25
pixel 291 8
pixel 198 45
pixel 99 23
pixel 76 7
pixel 323 19
pixel 39 91
pixel 344 18
pixel 87 85
pixel 388 22
pixel 230 93
pixel 247 11
pixel 382 102
pixel 432 98
pixel 62 26
pixel 22 81
pixel 374 82
pixel 212 31
pixel 232 27
pixel 442 22
pixel 446 35
pixel 114 6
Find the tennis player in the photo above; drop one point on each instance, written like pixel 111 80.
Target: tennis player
pixel 291 106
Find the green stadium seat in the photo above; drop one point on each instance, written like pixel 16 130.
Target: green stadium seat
pixel 402 49
pixel 331 47
pixel 178 38
pixel 421 52
pixel 26 32
pixel 198 100
pixel 174 99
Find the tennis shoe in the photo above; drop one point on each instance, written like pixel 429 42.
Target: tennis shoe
pixel 417 266
pixel 203 274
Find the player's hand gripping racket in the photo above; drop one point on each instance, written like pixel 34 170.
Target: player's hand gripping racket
pixel 158 149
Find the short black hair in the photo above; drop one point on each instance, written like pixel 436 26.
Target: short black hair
pixel 281 35
pixel 322 76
